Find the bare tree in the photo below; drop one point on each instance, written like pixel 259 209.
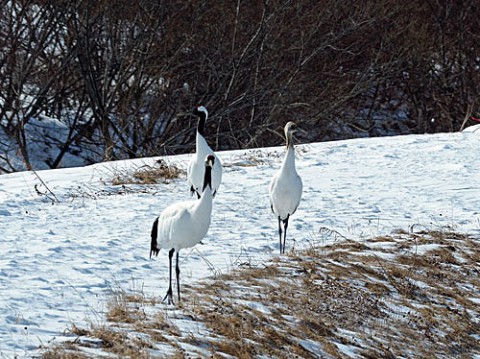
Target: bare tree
pixel 121 75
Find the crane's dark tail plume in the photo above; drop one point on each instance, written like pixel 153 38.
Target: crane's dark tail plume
pixel 153 244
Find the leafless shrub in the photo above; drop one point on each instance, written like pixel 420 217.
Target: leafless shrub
pixel 121 75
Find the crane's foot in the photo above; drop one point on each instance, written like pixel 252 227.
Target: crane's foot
pixel 169 296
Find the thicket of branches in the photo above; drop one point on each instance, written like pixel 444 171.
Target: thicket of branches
pixel 123 74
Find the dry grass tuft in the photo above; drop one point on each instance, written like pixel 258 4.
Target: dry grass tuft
pixel 161 172
pixel 125 308
pixel 63 352
pixel 75 330
pixel 121 342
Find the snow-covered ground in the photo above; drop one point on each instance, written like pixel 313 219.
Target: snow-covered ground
pixel 63 255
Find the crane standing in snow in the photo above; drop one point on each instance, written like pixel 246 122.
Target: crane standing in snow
pixel 183 225
pixel 286 187
pixel 196 168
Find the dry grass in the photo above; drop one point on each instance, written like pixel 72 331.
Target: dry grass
pixel 161 172
pixel 128 332
pixel 415 305
pixel 254 158
pixel 62 352
pixel 405 295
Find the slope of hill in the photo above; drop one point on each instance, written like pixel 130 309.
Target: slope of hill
pixel 378 217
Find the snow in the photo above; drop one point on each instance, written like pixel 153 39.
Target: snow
pixel 63 255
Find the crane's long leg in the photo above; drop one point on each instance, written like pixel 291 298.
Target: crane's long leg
pixel 177 270
pixel 285 225
pixel 169 295
pixel 280 233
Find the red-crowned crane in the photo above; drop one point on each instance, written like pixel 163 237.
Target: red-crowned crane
pixel 183 225
pixel 286 187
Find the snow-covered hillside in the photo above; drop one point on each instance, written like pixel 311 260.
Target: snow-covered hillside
pixel 68 242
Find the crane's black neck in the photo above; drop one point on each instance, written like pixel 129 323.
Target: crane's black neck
pixel 207 180
pixel 201 123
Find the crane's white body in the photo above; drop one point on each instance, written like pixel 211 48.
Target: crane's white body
pixel 184 224
pixel 286 187
pixel 196 167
